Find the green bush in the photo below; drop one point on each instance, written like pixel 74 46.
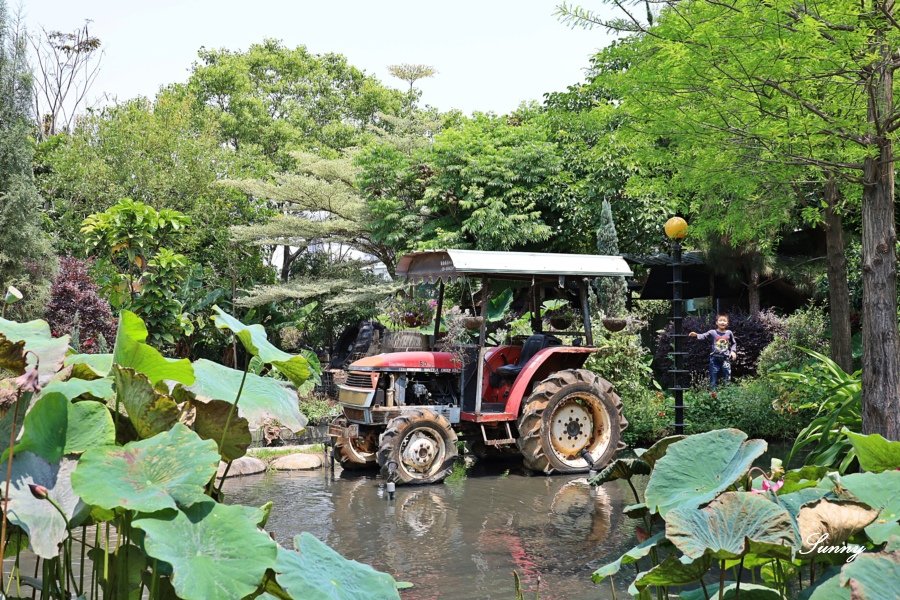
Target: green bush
pixel 318 409
pixel 806 328
pixel 624 362
pixel 747 405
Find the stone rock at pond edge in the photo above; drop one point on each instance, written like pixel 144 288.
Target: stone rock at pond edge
pixel 297 462
pixel 245 465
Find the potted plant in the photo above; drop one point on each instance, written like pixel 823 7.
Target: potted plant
pixel 559 314
pixel 410 311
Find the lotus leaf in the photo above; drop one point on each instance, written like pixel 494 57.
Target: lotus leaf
pixel 636 511
pixel 12 355
pixel 881 491
pixel 658 450
pixel 804 477
pixel 875 453
pixel 833 521
pixel 54 427
pixel 263 399
pixel 680 479
pixel 873 576
pixel 621 468
pixel 45 350
pixel 633 555
pixel 731 525
pixel 316 572
pixel 150 411
pixel 165 471
pixel 216 550
pixel 794 501
pixel 101 389
pixel 671 571
pixel 209 424
pixel 90 366
pixel 16 410
pixel 827 587
pixel 253 337
pixel 131 351
pixel 38 518
pixel 747 591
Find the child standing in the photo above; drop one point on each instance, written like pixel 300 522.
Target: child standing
pixel 724 350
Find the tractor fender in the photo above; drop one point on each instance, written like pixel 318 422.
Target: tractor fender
pixel 542 365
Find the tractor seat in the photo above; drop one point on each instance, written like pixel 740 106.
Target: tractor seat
pixel 535 342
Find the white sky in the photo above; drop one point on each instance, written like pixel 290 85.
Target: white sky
pixel 490 54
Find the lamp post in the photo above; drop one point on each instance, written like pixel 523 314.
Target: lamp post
pixel 676 229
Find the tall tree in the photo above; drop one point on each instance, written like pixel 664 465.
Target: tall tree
pixel 25 257
pixel 820 78
pixel 610 290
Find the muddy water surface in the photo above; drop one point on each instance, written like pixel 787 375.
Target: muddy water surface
pixel 463 539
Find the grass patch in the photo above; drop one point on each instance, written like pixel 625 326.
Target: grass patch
pixel 270 454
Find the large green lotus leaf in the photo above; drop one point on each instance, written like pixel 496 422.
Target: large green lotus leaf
pixel 48 352
pixel 658 450
pixel 45 427
pixel 730 525
pixel 38 518
pixel 671 572
pixel 747 591
pixel 90 425
pixel 209 424
pixel 165 471
pixel 794 501
pixel 632 556
pixel 263 399
pixel 253 337
pixel 682 478
pixel 621 468
pixel 101 389
pixel 316 572
pixel 875 453
pixel 873 576
pixel 832 522
pixel 131 351
pixel 12 355
pixel 881 491
pixel 150 411
pixel 90 366
pixel 216 551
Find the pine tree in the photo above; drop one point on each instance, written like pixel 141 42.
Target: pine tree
pixel 611 291
pixel 24 248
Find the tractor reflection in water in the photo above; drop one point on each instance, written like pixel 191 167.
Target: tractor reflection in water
pixel 404 412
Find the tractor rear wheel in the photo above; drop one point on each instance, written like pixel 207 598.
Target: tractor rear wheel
pixel 569 413
pixel 417 447
pixel 357 453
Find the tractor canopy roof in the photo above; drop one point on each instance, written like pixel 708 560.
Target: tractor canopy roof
pixel 449 265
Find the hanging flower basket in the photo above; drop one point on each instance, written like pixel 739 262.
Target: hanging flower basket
pixel 615 324
pixel 472 323
pixel 561 322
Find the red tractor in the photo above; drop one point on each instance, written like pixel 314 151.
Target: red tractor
pixel 405 411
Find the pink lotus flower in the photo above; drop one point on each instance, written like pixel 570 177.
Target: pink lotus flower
pixel 769 486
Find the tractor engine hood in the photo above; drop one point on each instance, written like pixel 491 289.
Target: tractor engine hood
pixel 428 362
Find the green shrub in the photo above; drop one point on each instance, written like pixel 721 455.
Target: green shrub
pixel 318 409
pixel 806 328
pixel 624 362
pixel 747 405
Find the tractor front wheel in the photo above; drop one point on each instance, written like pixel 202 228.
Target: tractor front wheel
pixel 357 453
pixel 570 414
pixel 417 447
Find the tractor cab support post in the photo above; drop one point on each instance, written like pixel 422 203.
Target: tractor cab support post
pixel 482 339
pixel 536 321
pixel 585 311
pixel 437 312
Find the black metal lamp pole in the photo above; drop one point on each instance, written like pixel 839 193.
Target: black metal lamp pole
pixel 676 229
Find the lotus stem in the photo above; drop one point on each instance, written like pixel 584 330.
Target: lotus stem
pixel 9 461
pixel 637 498
pixel 737 588
pixel 612 587
pixel 703 585
pixel 227 423
pixel 721 579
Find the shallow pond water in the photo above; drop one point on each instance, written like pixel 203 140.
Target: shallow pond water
pixel 462 539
